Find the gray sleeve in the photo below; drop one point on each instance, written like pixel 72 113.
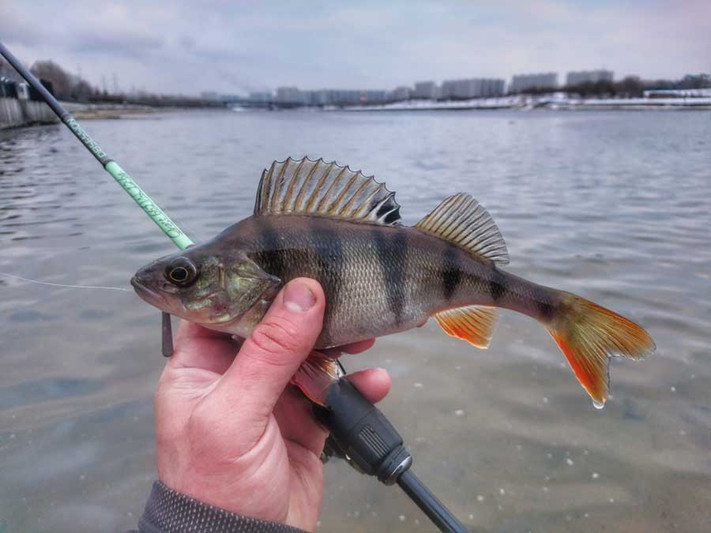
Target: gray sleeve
pixel 168 511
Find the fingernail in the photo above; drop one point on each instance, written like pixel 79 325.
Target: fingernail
pixel 298 297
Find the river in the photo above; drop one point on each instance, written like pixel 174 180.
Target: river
pixel 614 206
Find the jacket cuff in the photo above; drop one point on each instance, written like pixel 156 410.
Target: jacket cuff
pixel 168 511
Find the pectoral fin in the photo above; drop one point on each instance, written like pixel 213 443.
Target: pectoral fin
pixel 315 376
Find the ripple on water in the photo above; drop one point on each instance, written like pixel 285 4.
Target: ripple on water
pixel 597 203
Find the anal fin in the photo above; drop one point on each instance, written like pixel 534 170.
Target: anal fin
pixel 474 324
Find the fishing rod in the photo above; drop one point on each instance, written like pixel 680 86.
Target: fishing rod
pixel 359 429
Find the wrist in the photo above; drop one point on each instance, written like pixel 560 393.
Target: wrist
pixel 170 511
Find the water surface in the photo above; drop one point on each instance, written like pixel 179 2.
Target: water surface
pixel 613 206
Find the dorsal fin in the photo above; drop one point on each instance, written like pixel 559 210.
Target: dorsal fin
pixel 461 220
pixel 306 187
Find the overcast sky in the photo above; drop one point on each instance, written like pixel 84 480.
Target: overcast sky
pixel 233 46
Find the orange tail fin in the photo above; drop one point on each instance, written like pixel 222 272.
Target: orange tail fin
pixel 589 335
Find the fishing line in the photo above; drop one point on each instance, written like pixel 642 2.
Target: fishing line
pixel 376 446
pixel 121 177
pixel 50 284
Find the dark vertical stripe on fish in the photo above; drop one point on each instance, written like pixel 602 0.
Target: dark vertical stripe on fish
pixel 545 304
pixel 392 255
pixel 330 262
pixel 498 285
pixel 274 263
pixel 450 273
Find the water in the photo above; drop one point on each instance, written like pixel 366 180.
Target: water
pixel 613 206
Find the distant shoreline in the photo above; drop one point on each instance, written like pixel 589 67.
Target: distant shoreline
pixel 528 103
pixel 106 111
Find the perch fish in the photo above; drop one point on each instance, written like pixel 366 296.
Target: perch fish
pixel 323 221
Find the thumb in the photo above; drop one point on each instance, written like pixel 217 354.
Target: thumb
pixel 274 350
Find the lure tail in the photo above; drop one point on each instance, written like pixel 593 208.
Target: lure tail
pixel 589 335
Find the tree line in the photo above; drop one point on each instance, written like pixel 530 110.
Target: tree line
pixel 69 87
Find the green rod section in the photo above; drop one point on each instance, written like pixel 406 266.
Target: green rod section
pixel 144 201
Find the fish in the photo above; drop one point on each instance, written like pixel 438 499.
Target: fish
pixel 327 222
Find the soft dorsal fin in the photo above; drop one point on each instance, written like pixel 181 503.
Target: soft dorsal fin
pixel 461 220
pixel 306 187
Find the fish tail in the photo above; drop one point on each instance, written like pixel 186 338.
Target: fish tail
pixel 589 335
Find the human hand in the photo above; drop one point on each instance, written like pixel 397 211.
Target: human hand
pixel 232 432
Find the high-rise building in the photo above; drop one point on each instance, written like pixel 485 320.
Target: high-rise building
pixel 525 82
pixel 291 96
pixel 401 93
pixel 471 88
pixel 425 90
pixel 319 97
pixel 261 97
pixel 589 76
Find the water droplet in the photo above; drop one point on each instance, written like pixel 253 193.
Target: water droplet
pixel 598 405
pixel 595 475
pixel 569 461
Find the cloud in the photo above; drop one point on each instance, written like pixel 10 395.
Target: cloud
pixel 229 46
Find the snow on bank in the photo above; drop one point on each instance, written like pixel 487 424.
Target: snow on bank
pixel 555 101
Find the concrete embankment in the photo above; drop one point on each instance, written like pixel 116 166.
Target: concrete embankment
pixel 15 112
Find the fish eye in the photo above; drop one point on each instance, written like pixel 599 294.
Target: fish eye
pixel 181 272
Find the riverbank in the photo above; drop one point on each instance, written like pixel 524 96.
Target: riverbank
pixel 106 111
pixel 549 102
pixel 17 113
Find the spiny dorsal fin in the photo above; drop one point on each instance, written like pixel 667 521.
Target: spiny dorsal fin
pixel 306 187
pixel 474 323
pixel 461 220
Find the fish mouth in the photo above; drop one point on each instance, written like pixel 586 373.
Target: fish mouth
pixel 146 293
